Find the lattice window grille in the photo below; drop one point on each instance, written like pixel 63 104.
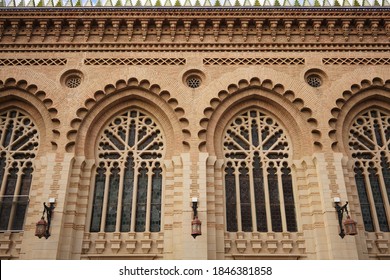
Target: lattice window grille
pixel 19 140
pixel 356 61
pixel 369 143
pixel 135 61
pixel 254 61
pixel 128 180
pixel 258 183
pixel 33 62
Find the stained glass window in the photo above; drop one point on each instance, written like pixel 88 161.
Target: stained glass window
pixel 369 142
pixel 257 175
pixel 128 179
pixel 19 141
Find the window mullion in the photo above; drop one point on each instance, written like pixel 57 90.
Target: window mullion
pixel 15 199
pixel 281 198
pixel 105 200
pixel 238 199
pixel 266 194
pixel 4 182
pixel 252 196
pixel 148 200
pixel 385 197
pixel 371 198
pixel 120 197
pixel 135 192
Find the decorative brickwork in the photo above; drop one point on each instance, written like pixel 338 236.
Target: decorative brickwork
pixel 134 61
pixel 33 62
pixel 265 114
pixel 356 61
pixel 253 61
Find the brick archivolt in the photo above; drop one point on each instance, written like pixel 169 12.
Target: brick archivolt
pixel 292 113
pixel 125 94
pixel 366 94
pixel 36 104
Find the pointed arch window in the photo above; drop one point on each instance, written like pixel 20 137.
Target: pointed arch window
pixel 258 183
pixel 369 143
pixel 19 140
pixel 128 180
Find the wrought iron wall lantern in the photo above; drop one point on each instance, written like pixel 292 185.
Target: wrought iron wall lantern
pixel 196 225
pixel 349 224
pixel 42 228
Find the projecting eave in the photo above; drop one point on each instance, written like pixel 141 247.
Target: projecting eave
pixel 195 28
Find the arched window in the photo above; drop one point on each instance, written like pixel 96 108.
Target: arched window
pixel 19 141
pixel 369 142
pixel 258 183
pixel 128 180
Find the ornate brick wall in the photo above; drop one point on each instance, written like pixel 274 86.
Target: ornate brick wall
pixel 72 70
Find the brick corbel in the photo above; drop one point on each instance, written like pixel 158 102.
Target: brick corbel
pixel 241 242
pixel 382 244
pixel 86 245
pixel 374 29
pixel 5 243
pixel 18 243
pixel 369 243
pixel 287 243
pixel 131 243
pixel 116 242
pixel 146 243
pixel 100 243
pixel 301 243
pixel 272 243
pixel 256 242
pixel 160 243
pixel 29 29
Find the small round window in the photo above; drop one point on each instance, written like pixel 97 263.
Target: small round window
pixel 72 78
pixel 314 80
pixel 194 82
pixel 73 81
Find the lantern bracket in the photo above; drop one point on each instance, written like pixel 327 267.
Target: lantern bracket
pixel 48 210
pixel 195 206
pixel 340 212
pixel 195 224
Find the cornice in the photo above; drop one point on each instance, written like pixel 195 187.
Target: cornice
pixel 197 47
pixel 164 12
pixel 58 27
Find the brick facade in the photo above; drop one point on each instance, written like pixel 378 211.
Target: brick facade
pixel 243 58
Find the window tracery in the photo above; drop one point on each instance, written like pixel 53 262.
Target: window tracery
pixel 19 140
pixel 369 143
pixel 128 179
pixel 258 184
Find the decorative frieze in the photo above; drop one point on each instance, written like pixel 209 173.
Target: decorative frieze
pixel 356 61
pixel 218 26
pixel 263 243
pixel 134 61
pixel 33 61
pixel 254 61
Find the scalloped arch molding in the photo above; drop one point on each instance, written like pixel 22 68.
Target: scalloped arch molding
pixel 121 85
pixel 41 96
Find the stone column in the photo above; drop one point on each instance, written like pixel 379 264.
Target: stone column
pixel 50 181
pixel 332 184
